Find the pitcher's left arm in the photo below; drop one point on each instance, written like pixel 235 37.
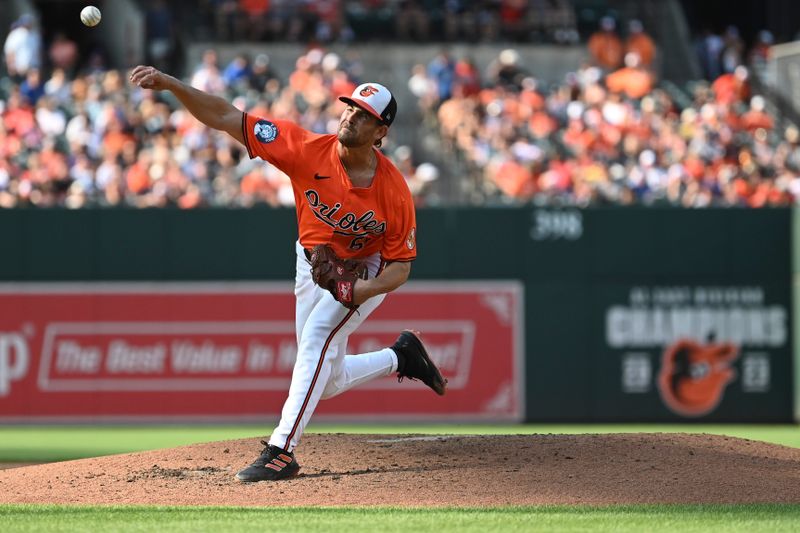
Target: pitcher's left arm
pixel 392 276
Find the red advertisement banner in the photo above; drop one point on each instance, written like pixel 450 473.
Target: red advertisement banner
pixel 225 351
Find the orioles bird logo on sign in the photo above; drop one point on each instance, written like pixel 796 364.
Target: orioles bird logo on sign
pixel 369 90
pixel 693 376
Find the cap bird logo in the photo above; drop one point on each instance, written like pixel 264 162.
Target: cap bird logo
pixel 693 376
pixel 369 90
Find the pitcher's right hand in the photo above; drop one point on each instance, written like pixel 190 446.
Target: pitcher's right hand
pixel 148 77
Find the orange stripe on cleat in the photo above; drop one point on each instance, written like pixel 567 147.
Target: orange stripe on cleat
pixel 285 457
pixel 279 463
pixel 272 466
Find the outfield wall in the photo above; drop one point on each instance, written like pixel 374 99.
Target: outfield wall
pixel 637 314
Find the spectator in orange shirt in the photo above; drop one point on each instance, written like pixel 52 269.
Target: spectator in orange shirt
pixel 605 45
pixel 732 87
pixel 640 43
pixel 137 178
pixel 631 80
pixel 116 137
pixel 255 187
pixel 300 79
pixel 468 76
pixel 513 178
pixel 18 117
pixel 756 117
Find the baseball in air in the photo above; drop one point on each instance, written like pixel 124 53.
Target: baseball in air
pixel 90 16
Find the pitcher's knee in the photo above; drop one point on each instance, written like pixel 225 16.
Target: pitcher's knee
pixel 331 389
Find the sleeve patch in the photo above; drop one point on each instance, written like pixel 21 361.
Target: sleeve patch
pixel 265 131
pixel 411 239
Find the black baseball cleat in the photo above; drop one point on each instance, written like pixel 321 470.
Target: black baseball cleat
pixel 273 464
pixel 413 362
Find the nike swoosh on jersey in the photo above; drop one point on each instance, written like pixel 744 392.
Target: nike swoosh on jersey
pixel 318 177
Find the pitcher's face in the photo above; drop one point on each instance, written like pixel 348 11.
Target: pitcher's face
pixel 357 127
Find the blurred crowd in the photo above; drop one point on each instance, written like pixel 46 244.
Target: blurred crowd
pixel 722 53
pixel 92 138
pixel 363 20
pixel 608 134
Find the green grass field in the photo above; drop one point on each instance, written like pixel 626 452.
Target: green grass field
pixel 683 518
pixel 58 443
pixel 23 443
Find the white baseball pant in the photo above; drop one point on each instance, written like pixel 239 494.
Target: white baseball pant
pixel 323 369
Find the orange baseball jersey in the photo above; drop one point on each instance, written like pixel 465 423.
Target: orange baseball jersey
pixel 355 221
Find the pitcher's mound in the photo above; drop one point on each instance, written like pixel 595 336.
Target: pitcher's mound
pixel 400 470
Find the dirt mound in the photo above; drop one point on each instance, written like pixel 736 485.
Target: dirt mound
pixel 422 470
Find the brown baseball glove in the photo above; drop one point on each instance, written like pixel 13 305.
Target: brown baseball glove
pixel 336 275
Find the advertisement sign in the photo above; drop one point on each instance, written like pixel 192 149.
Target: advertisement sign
pixel 696 352
pixel 225 351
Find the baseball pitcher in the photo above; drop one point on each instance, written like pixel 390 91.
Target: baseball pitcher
pixel 357 229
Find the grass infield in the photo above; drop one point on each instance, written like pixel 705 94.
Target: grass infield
pixel 653 518
pixel 58 443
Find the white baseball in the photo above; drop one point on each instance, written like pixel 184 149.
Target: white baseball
pixel 90 16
